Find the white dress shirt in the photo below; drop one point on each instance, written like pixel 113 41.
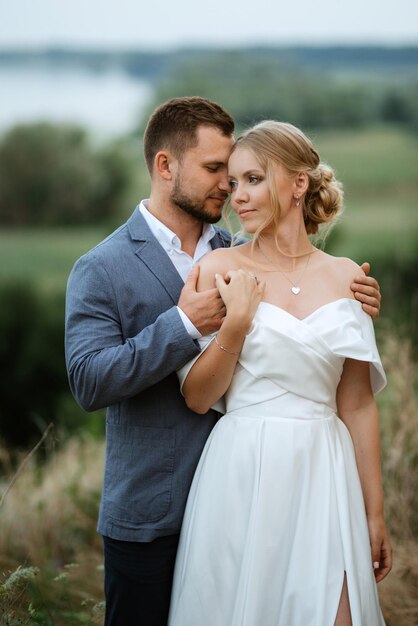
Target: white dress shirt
pixel 182 261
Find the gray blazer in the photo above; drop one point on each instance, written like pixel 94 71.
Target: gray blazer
pixel 124 342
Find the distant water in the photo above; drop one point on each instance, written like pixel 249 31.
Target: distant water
pixel 106 103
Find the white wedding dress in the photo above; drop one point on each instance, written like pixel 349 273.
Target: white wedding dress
pixel 275 515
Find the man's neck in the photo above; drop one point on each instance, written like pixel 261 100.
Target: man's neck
pixel 187 228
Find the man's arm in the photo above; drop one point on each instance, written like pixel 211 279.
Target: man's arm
pixel 103 366
pixel 367 290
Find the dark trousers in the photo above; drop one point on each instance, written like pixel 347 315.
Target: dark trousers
pixel 138 581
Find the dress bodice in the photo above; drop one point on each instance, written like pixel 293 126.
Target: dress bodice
pixel 301 357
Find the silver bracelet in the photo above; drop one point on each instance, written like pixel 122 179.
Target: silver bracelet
pixel 223 347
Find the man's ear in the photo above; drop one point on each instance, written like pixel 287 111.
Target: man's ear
pixel 164 165
pixel 301 183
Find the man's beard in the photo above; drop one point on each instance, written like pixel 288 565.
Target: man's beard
pixel 192 207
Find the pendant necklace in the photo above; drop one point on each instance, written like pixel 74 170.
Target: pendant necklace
pixel 295 289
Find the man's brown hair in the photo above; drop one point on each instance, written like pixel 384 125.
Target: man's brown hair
pixel 173 125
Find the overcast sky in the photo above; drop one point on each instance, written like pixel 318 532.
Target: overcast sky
pixel 161 24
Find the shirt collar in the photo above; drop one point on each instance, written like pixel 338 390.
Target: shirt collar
pixel 166 237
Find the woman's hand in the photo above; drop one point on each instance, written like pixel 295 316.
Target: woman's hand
pixel 380 547
pixel 211 374
pixel 241 293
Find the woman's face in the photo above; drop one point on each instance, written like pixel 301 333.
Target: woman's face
pixel 250 193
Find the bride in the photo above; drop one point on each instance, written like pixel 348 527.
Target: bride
pixel 284 523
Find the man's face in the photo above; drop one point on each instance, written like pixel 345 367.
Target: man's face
pixel 201 182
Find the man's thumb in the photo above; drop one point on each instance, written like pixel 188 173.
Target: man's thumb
pixel 365 267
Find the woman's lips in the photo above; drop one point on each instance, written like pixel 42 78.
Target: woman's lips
pixel 246 212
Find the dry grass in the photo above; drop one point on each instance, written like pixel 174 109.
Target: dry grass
pixel 399 591
pixel 399 417
pixel 48 518
pixel 51 512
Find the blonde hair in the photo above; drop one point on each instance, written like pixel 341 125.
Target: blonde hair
pixel 280 143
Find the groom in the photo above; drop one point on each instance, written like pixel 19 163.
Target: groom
pixel 132 317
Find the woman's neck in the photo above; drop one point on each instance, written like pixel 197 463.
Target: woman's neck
pixel 288 249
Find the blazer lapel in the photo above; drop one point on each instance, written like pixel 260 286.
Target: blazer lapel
pixel 152 254
pixel 220 240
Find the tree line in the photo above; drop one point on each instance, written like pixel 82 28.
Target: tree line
pixel 154 65
pixel 254 86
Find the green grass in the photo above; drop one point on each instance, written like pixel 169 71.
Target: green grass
pixel 380 229
pixel 373 160
pixel 44 256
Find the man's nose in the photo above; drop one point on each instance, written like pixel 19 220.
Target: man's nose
pixel 223 184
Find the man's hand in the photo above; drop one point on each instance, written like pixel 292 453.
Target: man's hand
pixel 367 291
pixel 205 309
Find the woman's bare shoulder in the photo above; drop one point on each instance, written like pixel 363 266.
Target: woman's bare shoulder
pixel 347 267
pixel 343 270
pixel 218 261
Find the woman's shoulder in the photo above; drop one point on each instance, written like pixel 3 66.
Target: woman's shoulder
pixel 339 264
pixel 225 258
pixel 219 261
pixel 345 264
pixel 341 270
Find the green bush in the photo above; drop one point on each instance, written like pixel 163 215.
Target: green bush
pixel 51 175
pixel 31 372
pixel 33 380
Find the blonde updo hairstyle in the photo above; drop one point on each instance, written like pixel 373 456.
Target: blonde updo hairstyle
pixel 280 143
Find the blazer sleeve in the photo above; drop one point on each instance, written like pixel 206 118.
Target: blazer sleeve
pixel 105 368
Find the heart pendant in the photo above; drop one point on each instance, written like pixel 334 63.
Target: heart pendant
pixel 295 290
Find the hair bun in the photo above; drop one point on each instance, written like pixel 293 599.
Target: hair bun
pixel 324 198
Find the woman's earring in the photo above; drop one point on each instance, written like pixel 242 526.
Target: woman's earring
pixel 297 200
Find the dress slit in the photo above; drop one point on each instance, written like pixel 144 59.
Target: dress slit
pixel 343 613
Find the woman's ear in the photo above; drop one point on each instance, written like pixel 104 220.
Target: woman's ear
pixel 301 183
pixel 163 164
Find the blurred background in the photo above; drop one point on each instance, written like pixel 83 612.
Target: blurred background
pixel 77 82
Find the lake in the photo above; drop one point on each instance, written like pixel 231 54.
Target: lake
pixel 108 103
